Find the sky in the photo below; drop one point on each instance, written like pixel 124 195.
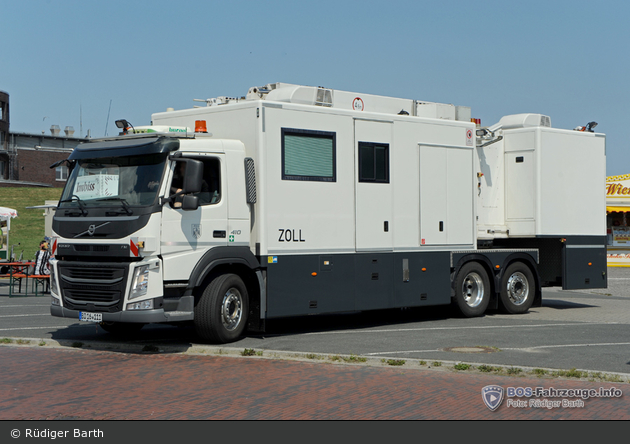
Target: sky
pixel 87 63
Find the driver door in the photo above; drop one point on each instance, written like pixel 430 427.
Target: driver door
pixel 187 235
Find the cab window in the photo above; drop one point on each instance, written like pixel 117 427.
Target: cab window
pixel 210 193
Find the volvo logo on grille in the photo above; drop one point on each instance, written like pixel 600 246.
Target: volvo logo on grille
pixel 91 229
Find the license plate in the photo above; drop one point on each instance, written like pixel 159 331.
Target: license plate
pixel 90 317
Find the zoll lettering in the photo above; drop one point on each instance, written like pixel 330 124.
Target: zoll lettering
pixel 290 235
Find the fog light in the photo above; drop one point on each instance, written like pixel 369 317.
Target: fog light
pixel 144 305
pixel 55 301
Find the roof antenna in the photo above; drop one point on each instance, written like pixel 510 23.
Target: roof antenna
pixel 107 123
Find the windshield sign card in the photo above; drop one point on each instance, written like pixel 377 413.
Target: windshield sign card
pixel 97 186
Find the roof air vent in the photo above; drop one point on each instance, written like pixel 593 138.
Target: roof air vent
pixel 324 97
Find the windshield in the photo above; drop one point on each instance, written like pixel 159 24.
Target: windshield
pixel 114 181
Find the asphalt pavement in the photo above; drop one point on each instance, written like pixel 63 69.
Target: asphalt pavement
pixel 587 330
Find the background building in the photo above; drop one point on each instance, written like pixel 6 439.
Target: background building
pixel 25 158
pixel 4 131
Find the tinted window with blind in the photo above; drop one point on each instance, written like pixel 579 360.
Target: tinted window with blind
pixel 373 162
pixel 308 155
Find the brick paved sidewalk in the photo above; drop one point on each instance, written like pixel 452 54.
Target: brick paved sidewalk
pixel 73 384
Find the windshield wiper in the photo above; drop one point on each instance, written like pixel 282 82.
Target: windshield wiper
pixel 122 201
pixel 76 198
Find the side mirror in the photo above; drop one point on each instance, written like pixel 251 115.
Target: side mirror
pixel 190 203
pixel 193 177
pixel 191 183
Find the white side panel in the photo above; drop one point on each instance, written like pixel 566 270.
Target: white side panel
pixel 521 181
pixel 433 195
pixel 374 221
pixel 521 185
pixel 304 216
pixel 405 158
pixel 573 173
pixel 447 210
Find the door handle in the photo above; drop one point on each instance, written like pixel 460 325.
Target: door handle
pixel 219 234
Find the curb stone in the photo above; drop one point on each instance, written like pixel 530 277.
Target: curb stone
pixel 322 358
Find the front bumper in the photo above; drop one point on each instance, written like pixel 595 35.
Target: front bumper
pixel 140 316
pixel 183 312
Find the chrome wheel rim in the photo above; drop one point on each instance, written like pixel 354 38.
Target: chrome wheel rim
pixel 231 309
pixel 517 288
pixel 472 289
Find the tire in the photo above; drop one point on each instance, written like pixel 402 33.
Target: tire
pixel 518 288
pixel 472 290
pixel 121 328
pixel 221 312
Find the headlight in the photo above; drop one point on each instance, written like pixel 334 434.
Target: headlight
pixel 140 282
pixel 53 281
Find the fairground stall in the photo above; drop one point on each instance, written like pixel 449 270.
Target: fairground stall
pixel 6 214
pixel 618 220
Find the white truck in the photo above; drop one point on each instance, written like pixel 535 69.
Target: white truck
pixel 295 200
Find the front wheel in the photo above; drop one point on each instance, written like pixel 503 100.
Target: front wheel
pixel 472 290
pixel 517 288
pixel 221 312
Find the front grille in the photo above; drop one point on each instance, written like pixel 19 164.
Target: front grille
pixel 92 295
pixel 97 287
pixel 90 247
pixel 91 275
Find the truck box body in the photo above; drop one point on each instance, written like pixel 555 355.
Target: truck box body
pixel 328 201
pixel 539 181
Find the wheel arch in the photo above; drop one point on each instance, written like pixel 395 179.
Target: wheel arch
pixel 236 260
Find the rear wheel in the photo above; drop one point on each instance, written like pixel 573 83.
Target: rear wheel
pixel 221 312
pixel 472 290
pixel 517 288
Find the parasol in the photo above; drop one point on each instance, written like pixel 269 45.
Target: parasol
pixel 7 212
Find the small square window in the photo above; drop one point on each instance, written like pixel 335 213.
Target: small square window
pixel 61 173
pixel 373 162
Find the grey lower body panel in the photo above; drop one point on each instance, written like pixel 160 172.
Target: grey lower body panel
pixel 573 262
pixel 585 266
pixel 316 284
